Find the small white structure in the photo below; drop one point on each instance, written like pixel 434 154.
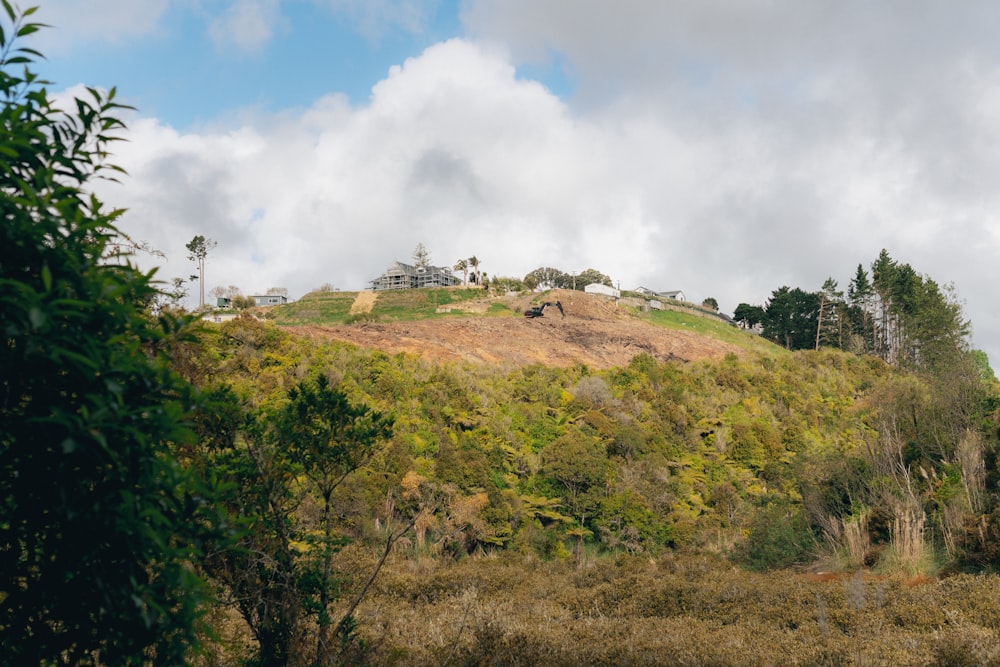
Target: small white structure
pixel 675 295
pixel 218 317
pixel 269 299
pixel 604 290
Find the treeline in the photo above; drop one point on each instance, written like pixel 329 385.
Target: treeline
pixel 547 277
pixel 889 310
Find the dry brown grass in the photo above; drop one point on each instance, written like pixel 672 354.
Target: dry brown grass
pixel 514 609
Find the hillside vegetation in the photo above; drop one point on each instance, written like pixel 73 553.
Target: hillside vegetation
pixel 768 460
pixel 334 307
pixel 430 478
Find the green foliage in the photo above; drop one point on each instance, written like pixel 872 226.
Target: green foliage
pixel 749 315
pixel 627 522
pixel 259 574
pixel 589 277
pixel 282 570
pixel 326 435
pixel 779 538
pixel 654 457
pixel 320 307
pixel 98 522
pixel 329 439
pixel 768 425
pixel 903 317
pixel 390 305
pixel 578 465
pixel 505 284
pixel 760 454
pixel 791 318
pixel 549 278
pixel 545 277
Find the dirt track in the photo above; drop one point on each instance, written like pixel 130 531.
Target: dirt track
pixel 594 332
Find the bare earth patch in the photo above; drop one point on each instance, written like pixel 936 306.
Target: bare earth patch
pixel 594 332
pixel 364 302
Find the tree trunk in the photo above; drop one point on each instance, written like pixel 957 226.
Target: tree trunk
pixel 819 320
pixel 323 634
pixel 274 641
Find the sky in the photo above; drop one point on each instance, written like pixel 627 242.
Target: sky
pixel 724 148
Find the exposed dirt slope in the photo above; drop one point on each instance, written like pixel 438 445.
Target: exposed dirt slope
pixel 363 302
pixel 594 332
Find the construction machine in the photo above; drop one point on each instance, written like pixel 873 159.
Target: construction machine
pixel 539 311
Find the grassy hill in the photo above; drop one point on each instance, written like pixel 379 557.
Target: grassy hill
pixel 335 308
pixel 697 321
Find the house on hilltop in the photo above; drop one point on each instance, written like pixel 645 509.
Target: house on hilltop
pixel 604 290
pixel 269 299
pixel 406 276
pixel 675 295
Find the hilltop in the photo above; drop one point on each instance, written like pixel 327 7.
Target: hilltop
pixel 463 325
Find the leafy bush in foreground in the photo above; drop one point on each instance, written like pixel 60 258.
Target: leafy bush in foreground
pixel 98 523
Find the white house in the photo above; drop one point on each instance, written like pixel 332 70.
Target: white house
pixel 675 295
pixel 598 288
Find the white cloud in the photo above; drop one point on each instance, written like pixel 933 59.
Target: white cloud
pixel 247 25
pixel 453 152
pixel 105 21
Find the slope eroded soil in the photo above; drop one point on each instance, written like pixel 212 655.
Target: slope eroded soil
pixel 594 332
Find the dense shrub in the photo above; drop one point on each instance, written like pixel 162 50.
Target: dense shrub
pixel 780 537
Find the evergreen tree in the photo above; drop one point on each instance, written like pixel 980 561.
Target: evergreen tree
pixel 859 295
pixel 749 315
pixel 884 274
pixel 791 318
pixel 828 326
pixel 421 258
